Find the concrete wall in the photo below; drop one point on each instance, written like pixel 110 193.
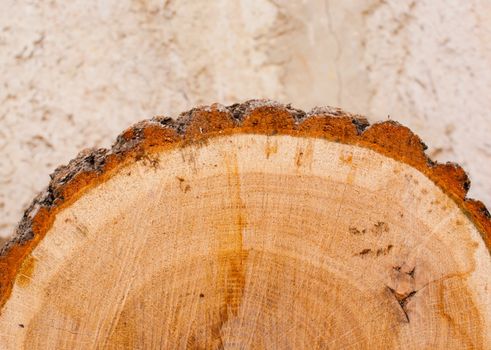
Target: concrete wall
pixel 74 74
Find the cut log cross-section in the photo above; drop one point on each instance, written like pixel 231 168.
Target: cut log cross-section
pixel 251 226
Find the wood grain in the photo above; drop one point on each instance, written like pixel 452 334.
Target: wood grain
pixel 256 226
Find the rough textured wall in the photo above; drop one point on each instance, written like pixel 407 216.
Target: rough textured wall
pixel 74 74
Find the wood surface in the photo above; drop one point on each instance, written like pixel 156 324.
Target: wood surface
pixel 251 226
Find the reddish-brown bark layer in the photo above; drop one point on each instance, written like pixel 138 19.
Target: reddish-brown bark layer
pixel 91 167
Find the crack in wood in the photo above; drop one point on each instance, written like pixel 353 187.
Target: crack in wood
pixel 402 300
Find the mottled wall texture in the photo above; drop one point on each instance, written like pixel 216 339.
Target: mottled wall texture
pixel 73 74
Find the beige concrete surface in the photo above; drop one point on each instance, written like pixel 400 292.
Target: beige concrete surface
pixel 74 74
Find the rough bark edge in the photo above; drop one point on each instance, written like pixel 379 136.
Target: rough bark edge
pixel 137 143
